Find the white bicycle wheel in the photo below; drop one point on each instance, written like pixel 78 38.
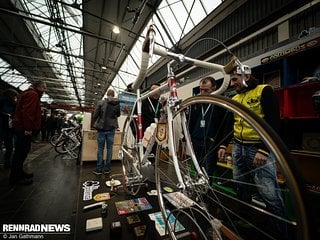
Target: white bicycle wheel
pixel 55 139
pixel 131 166
pixel 66 145
pixel 199 200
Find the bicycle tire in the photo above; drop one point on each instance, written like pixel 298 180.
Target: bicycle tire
pixel 55 138
pixel 131 166
pixel 211 197
pixel 65 145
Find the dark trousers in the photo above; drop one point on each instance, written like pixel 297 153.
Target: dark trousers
pixel 8 139
pixel 43 134
pixel 206 156
pixel 22 149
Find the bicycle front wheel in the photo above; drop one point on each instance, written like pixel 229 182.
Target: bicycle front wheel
pixel 66 145
pixel 55 139
pixel 210 205
pixel 129 155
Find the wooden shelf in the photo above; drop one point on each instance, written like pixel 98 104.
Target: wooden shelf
pixel 224 165
pixel 306 153
pixel 226 189
pixel 308 164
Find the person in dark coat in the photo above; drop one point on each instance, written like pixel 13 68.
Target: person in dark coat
pixel 7 106
pixel 43 125
pixel 51 126
pixel 150 108
pixel 205 124
pixel 26 120
pixel 105 120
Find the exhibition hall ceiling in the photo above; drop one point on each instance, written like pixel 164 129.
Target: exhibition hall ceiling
pixel 73 46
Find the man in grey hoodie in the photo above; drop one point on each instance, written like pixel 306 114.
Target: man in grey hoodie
pixel 106 121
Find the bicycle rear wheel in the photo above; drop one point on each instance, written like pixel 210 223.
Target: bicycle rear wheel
pixel 200 200
pixel 129 155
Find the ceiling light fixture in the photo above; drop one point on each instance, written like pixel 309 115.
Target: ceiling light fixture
pixel 116 29
pixel 103 67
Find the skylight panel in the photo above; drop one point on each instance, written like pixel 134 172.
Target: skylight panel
pixel 197 13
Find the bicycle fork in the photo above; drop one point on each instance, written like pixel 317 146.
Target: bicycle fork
pixel 183 184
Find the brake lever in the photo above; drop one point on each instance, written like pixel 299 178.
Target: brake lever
pixel 152 39
pixel 240 65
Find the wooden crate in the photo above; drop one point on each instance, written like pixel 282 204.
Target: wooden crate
pixel 90 146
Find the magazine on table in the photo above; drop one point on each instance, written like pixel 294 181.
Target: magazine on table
pixel 132 205
pixel 160 225
pixel 179 200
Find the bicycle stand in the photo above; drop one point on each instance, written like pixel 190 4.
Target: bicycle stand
pixel 115 182
pixel 119 179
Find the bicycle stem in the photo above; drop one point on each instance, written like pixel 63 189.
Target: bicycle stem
pixel 149 47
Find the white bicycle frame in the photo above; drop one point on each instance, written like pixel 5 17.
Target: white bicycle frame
pixel 149 48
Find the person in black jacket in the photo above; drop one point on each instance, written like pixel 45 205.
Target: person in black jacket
pixel 151 107
pixel 7 106
pixel 106 122
pixel 205 122
pixel 150 110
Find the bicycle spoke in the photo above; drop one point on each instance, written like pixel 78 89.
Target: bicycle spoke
pixel 130 159
pixel 244 219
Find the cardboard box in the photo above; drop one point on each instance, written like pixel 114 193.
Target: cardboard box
pixel 90 146
pixel 115 152
pixel 117 138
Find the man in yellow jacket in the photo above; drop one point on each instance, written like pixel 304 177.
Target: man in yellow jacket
pixel 252 161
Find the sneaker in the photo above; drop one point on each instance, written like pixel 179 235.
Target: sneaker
pixel 107 172
pixel 97 172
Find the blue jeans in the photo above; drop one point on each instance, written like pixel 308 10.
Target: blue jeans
pixel 264 177
pixel 105 137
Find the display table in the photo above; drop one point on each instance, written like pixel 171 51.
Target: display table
pixel 126 232
pixel 90 146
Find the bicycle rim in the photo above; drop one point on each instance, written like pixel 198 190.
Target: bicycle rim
pixel 54 139
pixel 214 197
pixel 65 145
pixel 130 158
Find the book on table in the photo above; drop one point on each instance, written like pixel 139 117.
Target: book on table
pixel 132 206
pixel 179 200
pixel 160 225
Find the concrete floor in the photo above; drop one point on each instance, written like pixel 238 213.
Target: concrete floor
pixel 53 196
pixel 56 196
